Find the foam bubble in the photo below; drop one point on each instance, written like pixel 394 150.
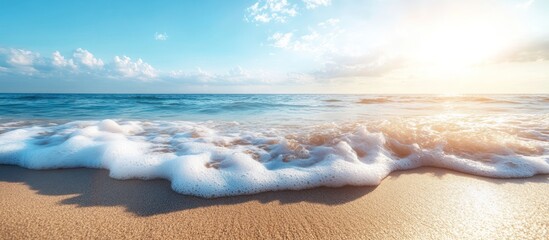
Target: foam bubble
pixel 213 159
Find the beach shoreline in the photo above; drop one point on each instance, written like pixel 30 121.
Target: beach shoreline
pixel 421 203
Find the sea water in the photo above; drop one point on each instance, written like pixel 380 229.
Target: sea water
pixel 222 145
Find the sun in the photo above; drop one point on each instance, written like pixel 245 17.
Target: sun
pixel 457 47
pixel 460 40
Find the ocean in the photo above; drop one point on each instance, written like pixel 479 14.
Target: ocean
pixel 211 145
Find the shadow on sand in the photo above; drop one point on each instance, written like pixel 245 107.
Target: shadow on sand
pixel 440 173
pixel 94 187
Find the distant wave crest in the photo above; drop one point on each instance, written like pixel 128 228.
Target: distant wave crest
pixel 433 99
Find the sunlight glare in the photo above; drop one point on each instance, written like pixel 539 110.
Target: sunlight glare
pixel 455 42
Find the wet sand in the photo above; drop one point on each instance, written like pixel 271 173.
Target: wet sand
pixel 423 203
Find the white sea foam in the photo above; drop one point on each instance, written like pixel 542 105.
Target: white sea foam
pixel 212 159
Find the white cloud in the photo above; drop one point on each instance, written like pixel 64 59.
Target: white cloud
pixel 237 75
pixel 330 22
pixel 198 76
pixel 317 40
pixel 313 35
pixel 125 67
pixel 24 62
pixel 18 60
pixel 83 65
pixel 376 63
pixel 161 36
pixel 312 4
pixel 281 40
pixel 59 61
pixel 85 58
pixel 19 57
pixel 265 11
pixel 300 78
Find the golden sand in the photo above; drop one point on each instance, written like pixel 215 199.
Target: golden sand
pixel 424 203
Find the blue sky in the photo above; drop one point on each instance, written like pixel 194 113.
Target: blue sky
pixel 275 46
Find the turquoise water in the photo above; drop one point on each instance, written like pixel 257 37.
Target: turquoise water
pixel 220 145
pixel 299 109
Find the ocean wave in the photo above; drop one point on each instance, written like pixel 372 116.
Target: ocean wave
pixel 240 106
pixel 209 159
pixel 454 99
pixel 30 97
pixel 331 100
pixel 434 99
pixel 375 100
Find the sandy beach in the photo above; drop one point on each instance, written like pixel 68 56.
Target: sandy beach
pixel 422 203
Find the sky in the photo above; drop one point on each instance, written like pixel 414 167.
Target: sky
pixel 275 46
